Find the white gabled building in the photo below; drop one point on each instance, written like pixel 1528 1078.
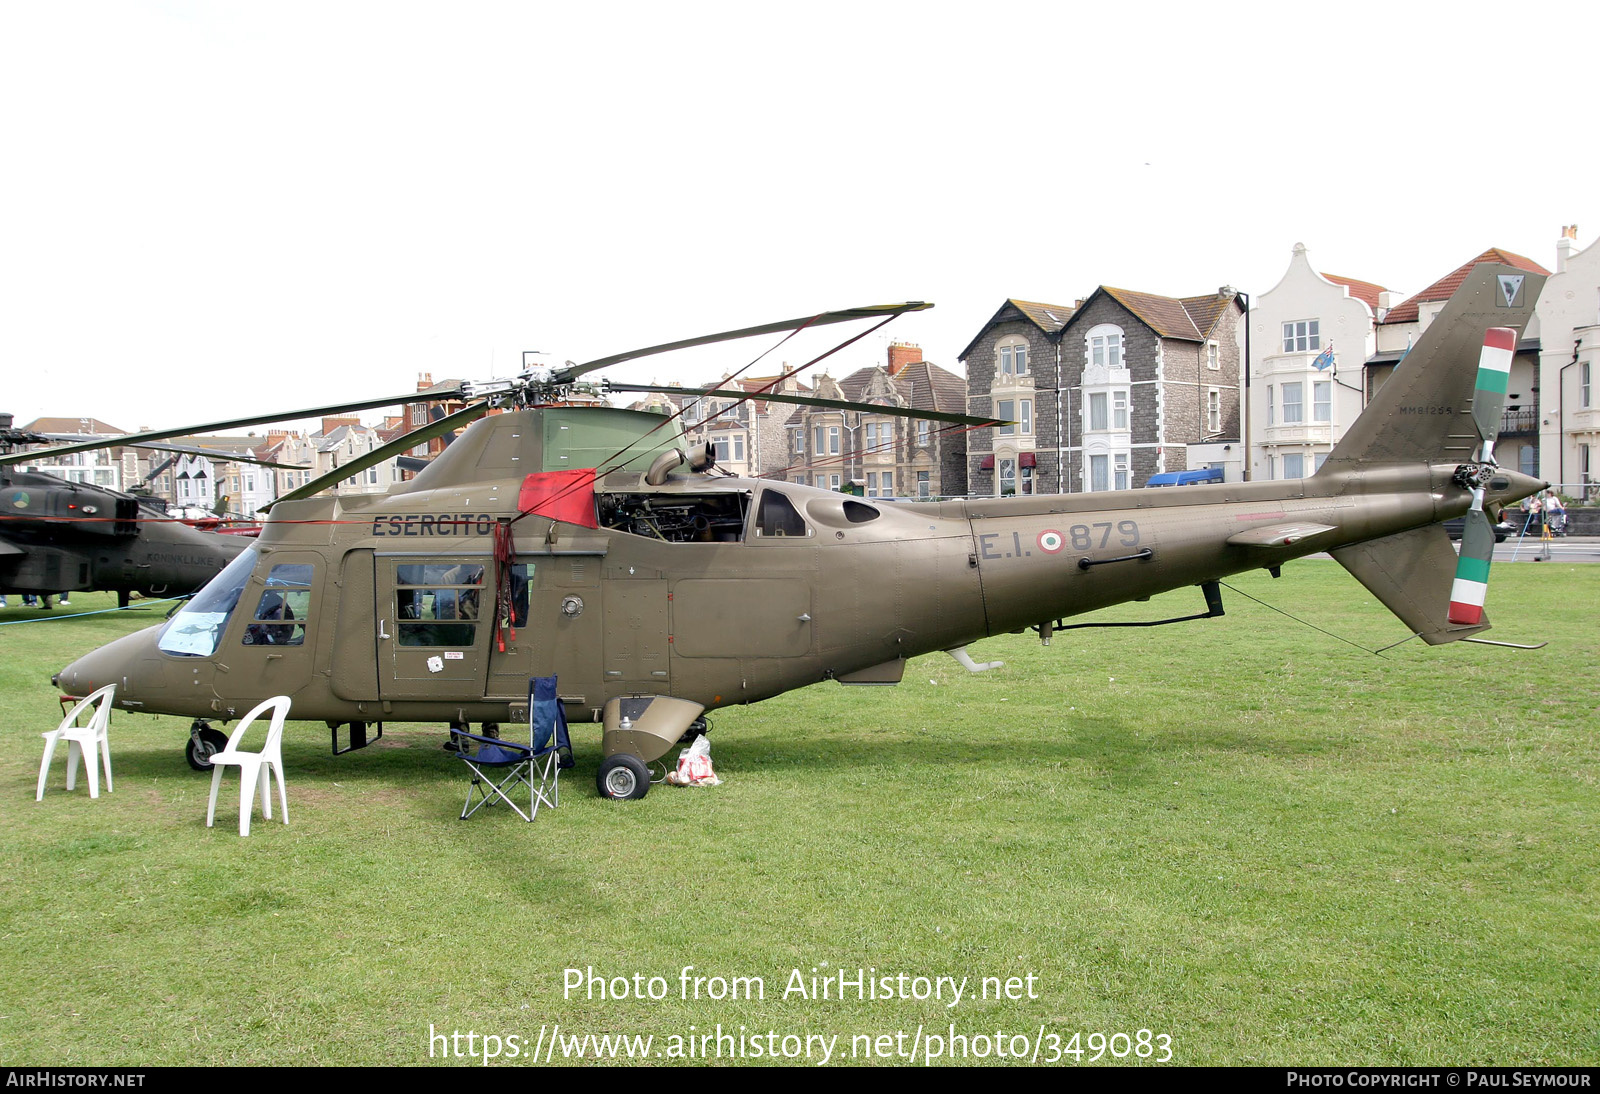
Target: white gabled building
pixel 1310 337
pixel 1569 351
pixel 115 468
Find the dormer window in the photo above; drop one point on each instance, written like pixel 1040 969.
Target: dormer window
pixel 1013 358
pixel 1105 347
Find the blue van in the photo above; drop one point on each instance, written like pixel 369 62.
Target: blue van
pixel 1186 478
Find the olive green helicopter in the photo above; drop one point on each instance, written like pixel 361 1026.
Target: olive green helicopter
pixel 597 545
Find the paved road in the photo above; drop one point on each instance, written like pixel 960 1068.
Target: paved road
pixel 1561 549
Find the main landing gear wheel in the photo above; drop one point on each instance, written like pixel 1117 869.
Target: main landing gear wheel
pixel 623 777
pixel 198 752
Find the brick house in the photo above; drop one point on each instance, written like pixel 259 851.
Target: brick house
pixel 889 456
pixel 749 437
pixel 1105 393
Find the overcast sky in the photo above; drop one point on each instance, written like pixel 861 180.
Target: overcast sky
pixel 214 209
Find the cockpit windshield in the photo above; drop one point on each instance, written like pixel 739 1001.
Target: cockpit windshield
pixel 198 626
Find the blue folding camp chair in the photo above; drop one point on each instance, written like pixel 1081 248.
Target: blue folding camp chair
pixel 536 765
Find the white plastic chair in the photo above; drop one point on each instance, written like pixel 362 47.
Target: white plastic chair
pixel 253 766
pixel 92 738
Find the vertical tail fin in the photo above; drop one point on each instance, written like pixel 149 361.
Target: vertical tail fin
pixel 1423 411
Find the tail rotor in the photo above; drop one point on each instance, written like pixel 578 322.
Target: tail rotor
pixel 1477 538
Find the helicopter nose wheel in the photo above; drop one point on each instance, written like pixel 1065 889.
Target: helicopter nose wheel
pixel 623 777
pixel 203 741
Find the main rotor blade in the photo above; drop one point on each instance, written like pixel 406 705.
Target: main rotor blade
pixel 1489 392
pixel 812 400
pixel 223 457
pixel 449 390
pixel 876 311
pixel 447 424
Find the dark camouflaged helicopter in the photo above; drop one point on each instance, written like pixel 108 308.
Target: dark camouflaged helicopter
pixel 593 544
pixel 59 536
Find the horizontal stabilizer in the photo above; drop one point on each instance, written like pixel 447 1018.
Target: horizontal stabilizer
pixel 1278 535
pixel 1412 572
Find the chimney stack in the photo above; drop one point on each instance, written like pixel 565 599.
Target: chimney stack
pixel 1569 235
pixel 902 354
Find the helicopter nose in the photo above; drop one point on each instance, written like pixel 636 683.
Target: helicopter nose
pixel 110 664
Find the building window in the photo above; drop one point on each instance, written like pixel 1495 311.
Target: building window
pixel 1119 465
pixel 1318 460
pixel 1583 384
pixel 1302 336
pixel 872 484
pixel 1105 347
pixel 923 431
pixel 1213 356
pixel 799 442
pixel 1013 360
pixel 1007 478
pixel 1008 414
pixel 833 482
pixel 1322 401
pixel 1099 472
pixel 1027 480
pixel 888 485
pixel 1026 407
pixel 833 440
pixel 1108 409
pixel 1272 412
pixel 924 484
pixel 1214 410
pixel 1294 465
pixel 872 436
pixel 729 448
pixel 1293 410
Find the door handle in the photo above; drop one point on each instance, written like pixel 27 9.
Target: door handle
pixel 381 632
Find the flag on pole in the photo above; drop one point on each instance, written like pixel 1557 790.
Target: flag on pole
pixel 1324 359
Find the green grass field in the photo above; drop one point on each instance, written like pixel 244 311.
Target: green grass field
pixel 1252 838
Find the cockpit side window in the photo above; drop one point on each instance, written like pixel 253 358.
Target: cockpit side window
pixel 281 613
pixel 197 628
pixel 776 517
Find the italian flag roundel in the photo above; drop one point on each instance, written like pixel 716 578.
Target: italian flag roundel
pixel 1050 541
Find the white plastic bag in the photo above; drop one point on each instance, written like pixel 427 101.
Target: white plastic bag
pixel 694 765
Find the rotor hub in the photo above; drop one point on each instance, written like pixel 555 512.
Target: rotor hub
pixel 1474 476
